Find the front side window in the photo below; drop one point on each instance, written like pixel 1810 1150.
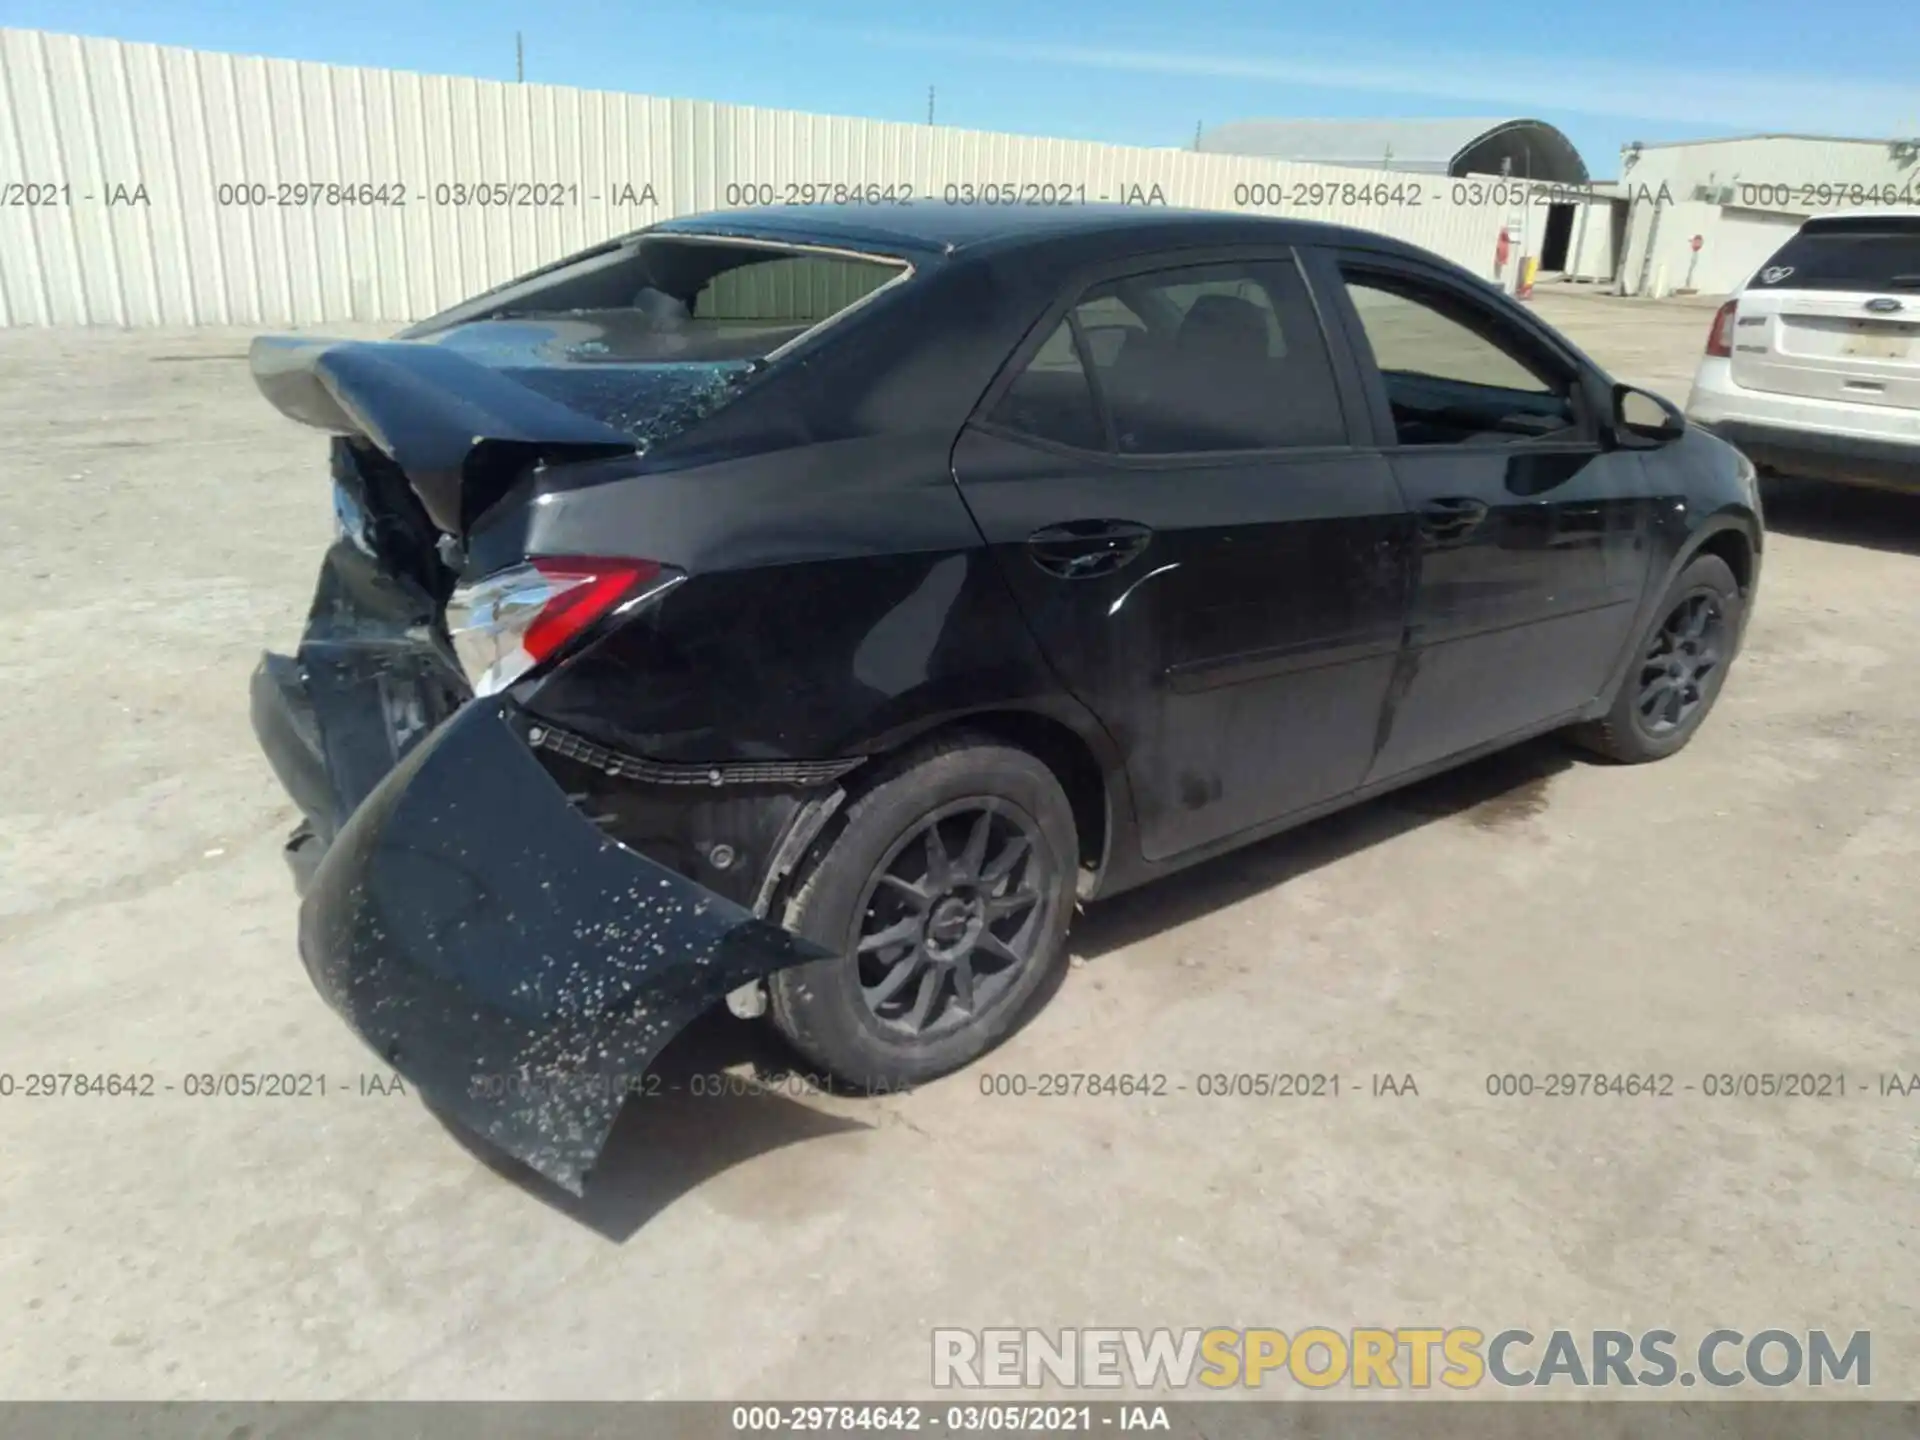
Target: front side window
pixel 1451 376
pixel 1196 359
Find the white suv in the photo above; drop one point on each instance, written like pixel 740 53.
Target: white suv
pixel 1814 368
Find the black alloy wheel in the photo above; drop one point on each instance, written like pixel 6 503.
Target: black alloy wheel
pixel 943 897
pixel 1679 666
pixel 951 917
pixel 1677 669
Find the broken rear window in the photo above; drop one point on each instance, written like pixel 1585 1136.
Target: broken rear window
pixel 656 332
pixel 683 297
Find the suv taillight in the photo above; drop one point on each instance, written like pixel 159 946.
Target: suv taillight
pixel 1720 337
pixel 505 625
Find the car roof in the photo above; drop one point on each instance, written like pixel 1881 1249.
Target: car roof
pixel 931 227
pixel 1889 212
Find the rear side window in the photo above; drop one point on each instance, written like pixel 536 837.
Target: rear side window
pixel 1189 360
pixel 1051 399
pixel 1209 358
pixel 1858 252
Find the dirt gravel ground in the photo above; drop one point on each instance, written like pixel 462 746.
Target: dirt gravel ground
pixel 1747 906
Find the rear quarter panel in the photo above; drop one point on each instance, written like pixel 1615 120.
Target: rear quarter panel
pixel 840 598
pixel 840 604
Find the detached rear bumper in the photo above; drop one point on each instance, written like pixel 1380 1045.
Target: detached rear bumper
pixel 515 964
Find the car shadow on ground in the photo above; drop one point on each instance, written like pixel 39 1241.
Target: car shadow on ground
pixel 720 1094
pixel 1843 514
pixel 1502 791
pixel 727 1090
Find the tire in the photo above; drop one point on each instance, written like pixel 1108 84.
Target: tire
pixel 878 879
pixel 1647 721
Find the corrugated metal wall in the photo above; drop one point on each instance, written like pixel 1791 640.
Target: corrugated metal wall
pixel 149 185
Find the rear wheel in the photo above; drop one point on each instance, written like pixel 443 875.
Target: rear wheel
pixel 1677 674
pixel 946 898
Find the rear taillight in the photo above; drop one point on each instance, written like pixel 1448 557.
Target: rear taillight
pixel 1720 337
pixel 505 625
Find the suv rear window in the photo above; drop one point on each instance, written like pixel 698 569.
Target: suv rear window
pixel 1858 252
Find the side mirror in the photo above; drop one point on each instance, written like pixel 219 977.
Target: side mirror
pixel 1643 420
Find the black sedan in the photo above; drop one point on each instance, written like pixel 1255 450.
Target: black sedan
pixel 812 607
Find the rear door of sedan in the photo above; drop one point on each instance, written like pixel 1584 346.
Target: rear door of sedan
pixel 1167 474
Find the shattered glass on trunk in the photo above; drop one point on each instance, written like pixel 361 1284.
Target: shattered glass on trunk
pixel 651 402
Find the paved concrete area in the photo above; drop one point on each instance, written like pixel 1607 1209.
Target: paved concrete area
pixel 1747 906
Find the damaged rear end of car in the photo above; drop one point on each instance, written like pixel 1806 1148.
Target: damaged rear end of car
pixel 490 898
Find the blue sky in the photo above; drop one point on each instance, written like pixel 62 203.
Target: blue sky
pixel 1131 71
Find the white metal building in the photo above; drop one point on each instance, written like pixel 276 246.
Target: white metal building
pixel 1741 198
pixel 1528 170
pixel 1521 149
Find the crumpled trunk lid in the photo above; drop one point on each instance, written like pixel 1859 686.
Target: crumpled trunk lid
pixel 465 413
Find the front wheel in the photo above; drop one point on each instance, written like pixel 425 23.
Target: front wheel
pixel 946 897
pixel 1677 673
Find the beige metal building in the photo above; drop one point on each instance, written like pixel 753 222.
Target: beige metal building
pixel 1519 148
pixel 1740 199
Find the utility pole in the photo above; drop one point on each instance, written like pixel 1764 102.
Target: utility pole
pixel 1196 133
pixel 929 104
pixel 519 59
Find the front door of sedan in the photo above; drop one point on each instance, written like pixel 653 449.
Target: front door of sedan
pixel 1532 530
pixel 1166 477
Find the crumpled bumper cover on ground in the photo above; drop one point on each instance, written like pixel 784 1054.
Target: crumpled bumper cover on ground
pixel 515 964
